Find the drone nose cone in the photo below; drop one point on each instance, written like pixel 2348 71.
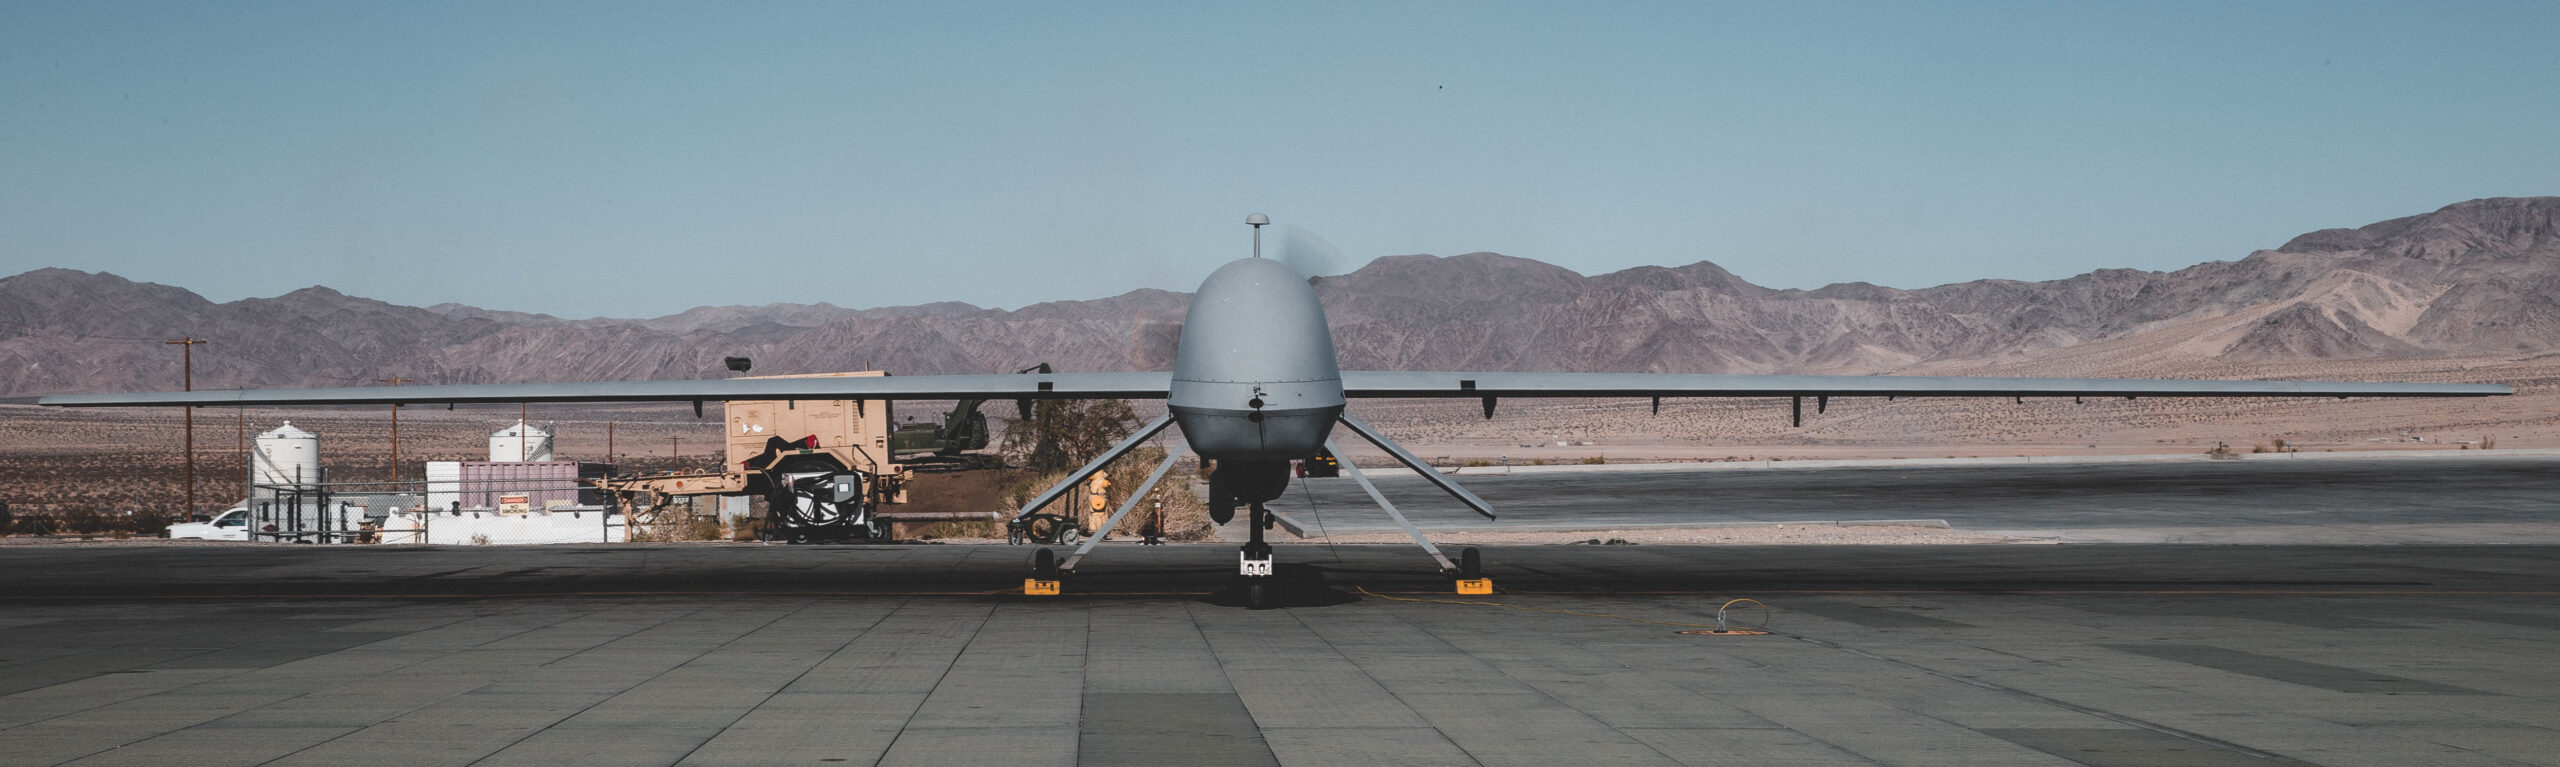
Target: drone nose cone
pixel 1255 377
pixel 1255 320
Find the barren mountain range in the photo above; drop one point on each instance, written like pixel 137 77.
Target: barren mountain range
pixel 2475 278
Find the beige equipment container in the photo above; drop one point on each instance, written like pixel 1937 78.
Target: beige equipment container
pixel 853 433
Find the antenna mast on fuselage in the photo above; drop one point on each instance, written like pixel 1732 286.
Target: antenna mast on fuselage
pixel 1257 221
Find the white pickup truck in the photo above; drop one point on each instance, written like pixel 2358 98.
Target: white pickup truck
pixel 230 525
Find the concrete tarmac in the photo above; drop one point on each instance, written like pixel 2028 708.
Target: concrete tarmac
pixel 2094 654
pixel 2435 499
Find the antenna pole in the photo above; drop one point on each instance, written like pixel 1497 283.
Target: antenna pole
pixel 1257 221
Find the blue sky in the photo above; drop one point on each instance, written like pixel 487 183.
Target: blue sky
pixel 631 159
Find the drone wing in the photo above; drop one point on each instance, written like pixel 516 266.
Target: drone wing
pixel 1448 384
pixel 1014 386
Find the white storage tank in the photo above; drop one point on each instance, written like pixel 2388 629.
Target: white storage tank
pixel 287 457
pixel 444 485
pixel 520 442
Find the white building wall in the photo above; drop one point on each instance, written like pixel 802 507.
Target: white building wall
pixel 583 525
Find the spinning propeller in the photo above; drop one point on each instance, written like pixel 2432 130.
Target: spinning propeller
pixel 1300 250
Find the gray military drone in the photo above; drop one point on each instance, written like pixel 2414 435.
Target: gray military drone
pixel 1255 386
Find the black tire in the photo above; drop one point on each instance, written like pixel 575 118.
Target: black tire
pixel 1042 528
pixel 1044 563
pixel 1470 563
pixel 1255 598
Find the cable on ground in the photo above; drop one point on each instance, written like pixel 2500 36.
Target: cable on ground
pixel 1575 613
pixel 1310 490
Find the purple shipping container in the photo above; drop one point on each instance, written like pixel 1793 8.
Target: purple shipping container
pixel 542 483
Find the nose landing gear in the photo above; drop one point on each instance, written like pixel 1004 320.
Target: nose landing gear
pixel 1253 563
pixel 1261 584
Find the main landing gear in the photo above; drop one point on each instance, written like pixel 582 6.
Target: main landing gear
pixel 1258 582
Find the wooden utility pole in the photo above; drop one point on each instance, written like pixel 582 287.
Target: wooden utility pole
pixel 187 347
pixel 671 453
pixel 395 432
pixel 608 442
pixel 524 434
pixel 240 428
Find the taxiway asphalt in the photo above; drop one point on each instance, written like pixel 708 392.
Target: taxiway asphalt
pixel 2436 499
pixel 2095 654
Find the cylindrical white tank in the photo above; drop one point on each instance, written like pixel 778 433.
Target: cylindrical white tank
pixel 285 457
pixel 520 442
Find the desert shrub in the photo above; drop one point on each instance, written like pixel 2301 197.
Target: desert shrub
pixel 87 521
pixel 1595 460
pixel 32 524
pixel 1063 434
pixel 1186 516
pixel 677 525
pixel 149 525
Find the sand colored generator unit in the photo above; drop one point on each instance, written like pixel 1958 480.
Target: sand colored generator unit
pixel 823 467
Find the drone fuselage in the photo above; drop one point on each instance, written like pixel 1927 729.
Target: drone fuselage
pixel 1255 377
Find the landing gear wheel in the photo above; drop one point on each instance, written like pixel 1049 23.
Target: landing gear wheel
pixel 1470 563
pixel 1255 562
pixel 1044 565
